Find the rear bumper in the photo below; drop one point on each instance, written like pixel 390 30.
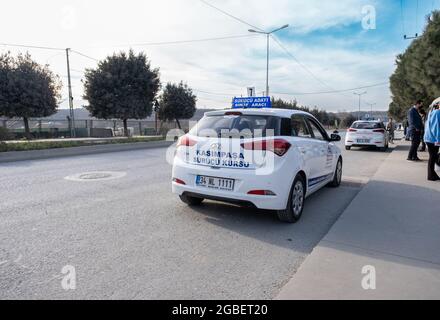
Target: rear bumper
pixel 375 141
pixel 278 182
pixel 215 198
pixel 379 145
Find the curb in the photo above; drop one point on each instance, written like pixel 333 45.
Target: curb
pixel 78 151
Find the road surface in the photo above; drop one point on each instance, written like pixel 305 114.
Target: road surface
pixel 130 238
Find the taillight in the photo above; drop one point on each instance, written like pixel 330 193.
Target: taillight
pixel 261 193
pixel 277 146
pixel 178 181
pixel 352 130
pixel 186 141
pixel 379 130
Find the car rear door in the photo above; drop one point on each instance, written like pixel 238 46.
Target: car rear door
pixel 324 156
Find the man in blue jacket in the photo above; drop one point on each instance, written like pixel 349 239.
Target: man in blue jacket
pixel 415 130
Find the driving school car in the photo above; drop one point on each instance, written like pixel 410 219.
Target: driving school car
pixel 265 158
pixel 367 134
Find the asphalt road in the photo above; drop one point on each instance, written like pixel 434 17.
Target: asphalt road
pixel 130 238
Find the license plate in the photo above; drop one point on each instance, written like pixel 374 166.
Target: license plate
pixel 363 140
pixel 215 183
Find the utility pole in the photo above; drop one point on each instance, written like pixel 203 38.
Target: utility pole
pixel 267 55
pixel 69 81
pixel 156 110
pixel 360 95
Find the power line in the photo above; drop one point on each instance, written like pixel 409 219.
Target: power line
pixel 298 93
pixel 334 91
pixel 301 64
pixel 230 15
pixel 273 37
pixel 84 55
pixel 146 44
pixel 216 93
pixel 30 46
pixel 402 17
pixel 417 16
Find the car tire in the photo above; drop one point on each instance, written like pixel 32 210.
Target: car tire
pixel 191 201
pixel 347 148
pixel 337 176
pixel 295 205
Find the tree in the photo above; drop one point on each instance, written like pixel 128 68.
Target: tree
pixel 177 102
pixel 417 76
pixel 27 89
pixel 122 87
pixel 323 116
pixel 348 121
pixel 281 104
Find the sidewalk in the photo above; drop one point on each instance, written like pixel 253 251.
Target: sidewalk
pixel 393 225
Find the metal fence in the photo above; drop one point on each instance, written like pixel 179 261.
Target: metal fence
pixel 54 128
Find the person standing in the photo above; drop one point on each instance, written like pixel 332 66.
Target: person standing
pixel 405 129
pixel 432 139
pixel 390 129
pixel 423 115
pixel 415 130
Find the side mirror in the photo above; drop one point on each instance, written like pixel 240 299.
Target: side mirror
pixel 335 137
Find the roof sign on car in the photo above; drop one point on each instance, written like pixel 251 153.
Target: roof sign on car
pixel 251 102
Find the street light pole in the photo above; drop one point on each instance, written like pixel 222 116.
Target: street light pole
pixel 360 95
pixel 267 55
pixel 371 106
pixel 267 67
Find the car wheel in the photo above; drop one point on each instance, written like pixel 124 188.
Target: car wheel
pixel 191 201
pixel 337 177
pixel 295 206
pixel 347 148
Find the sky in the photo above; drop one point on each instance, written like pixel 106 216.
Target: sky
pixel 330 45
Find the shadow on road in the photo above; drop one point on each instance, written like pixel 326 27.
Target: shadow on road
pixel 370 149
pixel 321 211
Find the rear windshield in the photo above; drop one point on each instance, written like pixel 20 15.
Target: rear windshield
pixel 237 126
pixel 366 125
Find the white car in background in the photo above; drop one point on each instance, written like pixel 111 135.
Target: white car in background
pixel 269 159
pixel 367 134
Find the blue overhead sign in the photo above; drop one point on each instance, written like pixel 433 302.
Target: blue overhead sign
pixel 251 102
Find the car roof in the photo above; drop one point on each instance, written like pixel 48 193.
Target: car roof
pixel 372 121
pixel 284 113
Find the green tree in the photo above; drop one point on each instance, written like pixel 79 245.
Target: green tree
pixel 281 104
pixel 177 102
pixel 124 86
pixel 27 89
pixel 348 120
pixel 417 74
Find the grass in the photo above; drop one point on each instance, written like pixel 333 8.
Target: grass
pixel 43 145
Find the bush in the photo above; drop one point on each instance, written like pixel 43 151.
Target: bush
pixel 5 134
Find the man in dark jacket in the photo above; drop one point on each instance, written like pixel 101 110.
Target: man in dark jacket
pixel 415 130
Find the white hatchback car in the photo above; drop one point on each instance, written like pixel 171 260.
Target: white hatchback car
pixel 265 158
pixel 367 134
